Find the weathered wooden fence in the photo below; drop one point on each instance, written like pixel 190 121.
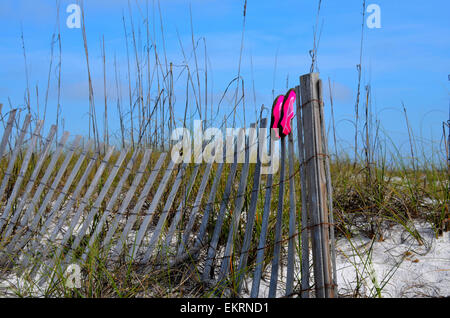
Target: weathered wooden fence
pixel 62 201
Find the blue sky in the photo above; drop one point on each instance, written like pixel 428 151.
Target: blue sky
pixel 407 60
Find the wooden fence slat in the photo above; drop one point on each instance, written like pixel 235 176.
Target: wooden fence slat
pixel 307 89
pixel 292 219
pixel 322 193
pixel 220 218
pixel 278 225
pixel 181 208
pixel 62 195
pixel 137 208
pixel 316 182
pixel 305 222
pixel 21 175
pixel 98 201
pixel 31 182
pixel 194 212
pixel 12 160
pixel 252 210
pixel 263 235
pixel 9 124
pixel 165 212
pixel 330 193
pixel 235 217
pixel 149 214
pixel 115 197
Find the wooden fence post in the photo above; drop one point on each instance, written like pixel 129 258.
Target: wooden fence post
pixel 314 161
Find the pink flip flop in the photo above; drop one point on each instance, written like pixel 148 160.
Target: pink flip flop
pixel 288 113
pixel 276 115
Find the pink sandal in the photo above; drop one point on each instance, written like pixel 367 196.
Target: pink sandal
pixel 276 115
pixel 288 113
